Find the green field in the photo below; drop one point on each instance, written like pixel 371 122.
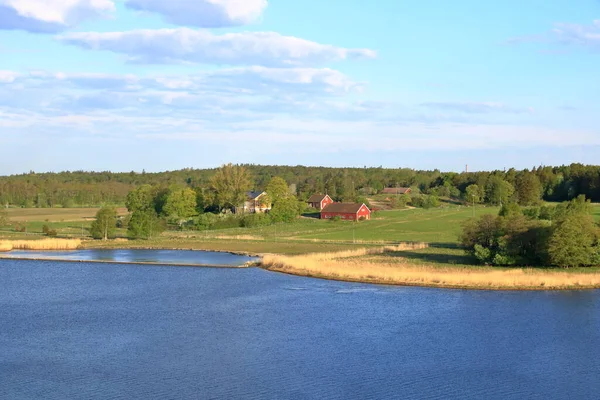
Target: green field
pixel 439 227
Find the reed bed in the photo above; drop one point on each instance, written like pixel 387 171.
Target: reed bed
pixel 348 266
pixel 45 244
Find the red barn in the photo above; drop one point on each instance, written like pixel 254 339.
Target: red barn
pixel 346 211
pixel 319 201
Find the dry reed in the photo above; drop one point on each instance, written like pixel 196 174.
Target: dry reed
pixel 45 244
pixel 344 266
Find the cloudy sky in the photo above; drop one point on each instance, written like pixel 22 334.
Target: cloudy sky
pixel 159 85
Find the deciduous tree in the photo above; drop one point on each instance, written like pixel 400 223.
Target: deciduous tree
pixel 230 185
pixel 105 225
pixel 180 203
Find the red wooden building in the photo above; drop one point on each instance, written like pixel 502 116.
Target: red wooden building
pixel 319 201
pixel 346 211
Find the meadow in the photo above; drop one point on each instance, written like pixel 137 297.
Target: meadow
pixel 407 247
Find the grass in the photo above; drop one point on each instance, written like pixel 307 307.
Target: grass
pixel 391 266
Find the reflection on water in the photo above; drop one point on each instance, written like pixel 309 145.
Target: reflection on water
pixel 178 257
pixel 131 332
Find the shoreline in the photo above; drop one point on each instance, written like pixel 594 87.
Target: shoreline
pixel 367 272
pixel 383 282
pixel 250 264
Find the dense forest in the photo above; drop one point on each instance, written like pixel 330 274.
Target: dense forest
pixel 526 187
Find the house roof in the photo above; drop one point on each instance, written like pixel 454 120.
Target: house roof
pixel 348 208
pixel 400 190
pixel 317 198
pixel 254 195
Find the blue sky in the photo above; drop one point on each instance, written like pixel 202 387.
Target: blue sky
pixel 160 85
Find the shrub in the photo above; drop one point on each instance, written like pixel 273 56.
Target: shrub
pixel 255 220
pixel 49 231
pixel 532 212
pixel 226 223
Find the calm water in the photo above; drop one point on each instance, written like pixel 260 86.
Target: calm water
pixel 80 331
pixel 153 256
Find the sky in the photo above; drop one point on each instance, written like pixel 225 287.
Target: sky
pixel 132 85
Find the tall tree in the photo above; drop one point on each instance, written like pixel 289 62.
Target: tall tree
pixel 105 224
pixel 574 242
pixel 278 189
pixel 528 188
pixel 145 225
pixel 497 190
pixel 180 203
pixel 230 185
pixel 473 194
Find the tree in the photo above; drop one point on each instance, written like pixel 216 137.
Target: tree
pixel 145 225
pixel 574 242
pixel 510 209
pixel 528 189
pixel 140 199
pixel 105 224
pixel 473 194
pixel 285 210
pixel 180 203
pixel 230 185
pixel 498 191
pixel 278 189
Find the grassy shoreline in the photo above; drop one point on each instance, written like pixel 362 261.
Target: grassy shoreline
pixel 390 270
pixel 441 264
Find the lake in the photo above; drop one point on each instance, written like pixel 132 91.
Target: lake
pixel 114 331
pixel 169 257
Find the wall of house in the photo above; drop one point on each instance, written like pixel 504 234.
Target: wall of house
pixel 364 212
pixel 326 201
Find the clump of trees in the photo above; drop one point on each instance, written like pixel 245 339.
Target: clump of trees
pixel 568 238
pixel 105 225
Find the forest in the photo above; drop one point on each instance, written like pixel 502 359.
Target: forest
pixel 525 187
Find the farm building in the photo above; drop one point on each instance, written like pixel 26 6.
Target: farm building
pixel 256 202
pixel 319 201
pixel 400 190
pixel 346 211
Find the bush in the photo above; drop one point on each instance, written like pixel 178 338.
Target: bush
pixel 336 218
pixel 255 220
pixel 49 231
pixel 532 212
pixel 226 223
pixel 425 201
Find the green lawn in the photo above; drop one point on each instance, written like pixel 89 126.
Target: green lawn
pixel 435 226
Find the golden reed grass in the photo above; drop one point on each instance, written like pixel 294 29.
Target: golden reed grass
pixel 45 244
pixel 346 267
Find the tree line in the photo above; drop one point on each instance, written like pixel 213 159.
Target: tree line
pixel 525 187
pixel 562 235
pixel 153 207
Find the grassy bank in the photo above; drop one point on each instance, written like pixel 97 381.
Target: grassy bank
pixel 387 265
pixel 45 244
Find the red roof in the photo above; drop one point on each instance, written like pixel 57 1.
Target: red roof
pixel 345 208
pixel 317 198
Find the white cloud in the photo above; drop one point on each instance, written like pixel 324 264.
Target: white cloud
pixel 203 13
pixel 478 107
pixel 184 45
pixel 49 16
pixel 577 34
